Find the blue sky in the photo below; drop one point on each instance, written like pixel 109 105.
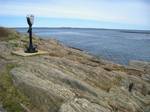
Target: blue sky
pixel 118 14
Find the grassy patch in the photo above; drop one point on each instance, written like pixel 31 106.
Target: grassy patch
pixel 8 34
pixel 10 97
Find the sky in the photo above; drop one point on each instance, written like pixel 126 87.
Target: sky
pixel 112 14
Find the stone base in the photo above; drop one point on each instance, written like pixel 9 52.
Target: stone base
pixel 21 52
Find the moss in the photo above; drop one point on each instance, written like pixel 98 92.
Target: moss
pixel 10 97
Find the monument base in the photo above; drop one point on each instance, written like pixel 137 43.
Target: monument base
pixel 21 52
pixel 31 50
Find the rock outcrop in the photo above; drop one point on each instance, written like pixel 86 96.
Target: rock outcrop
pixel 70 80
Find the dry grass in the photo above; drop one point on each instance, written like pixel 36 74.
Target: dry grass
pixel 7 34
pixel 10 97
pixel 3 32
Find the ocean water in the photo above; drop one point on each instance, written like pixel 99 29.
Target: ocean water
pixel 119 46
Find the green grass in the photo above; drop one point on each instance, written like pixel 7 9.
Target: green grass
pixel 10 97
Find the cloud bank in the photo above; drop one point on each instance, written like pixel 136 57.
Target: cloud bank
pixel 126 12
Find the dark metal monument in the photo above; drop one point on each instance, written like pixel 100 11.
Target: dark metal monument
pixel 31 48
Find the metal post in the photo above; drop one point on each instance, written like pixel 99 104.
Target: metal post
pixel 31 48
pixel 30 38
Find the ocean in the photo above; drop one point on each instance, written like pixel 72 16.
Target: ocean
pixel 119 46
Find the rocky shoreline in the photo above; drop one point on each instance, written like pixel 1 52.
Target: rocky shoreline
pixel 68 80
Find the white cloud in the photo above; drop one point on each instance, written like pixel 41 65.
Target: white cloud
pixel 100 10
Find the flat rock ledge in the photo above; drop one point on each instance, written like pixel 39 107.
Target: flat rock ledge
pixel 82 105
pixel 70 80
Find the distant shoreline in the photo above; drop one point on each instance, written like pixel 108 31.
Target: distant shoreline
pixel 120 30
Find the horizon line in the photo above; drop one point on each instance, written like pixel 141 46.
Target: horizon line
pixel 82 28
